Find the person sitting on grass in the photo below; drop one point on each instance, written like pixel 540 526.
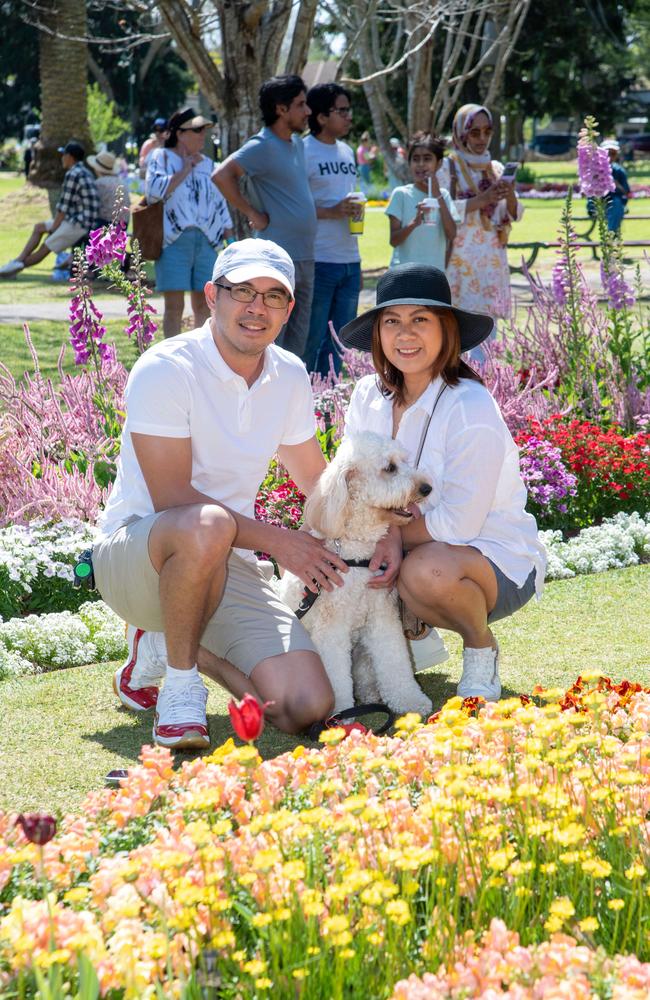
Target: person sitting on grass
pixel 420 232
pixel 206 411
pixel 76 215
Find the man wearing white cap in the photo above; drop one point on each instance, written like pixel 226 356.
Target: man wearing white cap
pixel 206 412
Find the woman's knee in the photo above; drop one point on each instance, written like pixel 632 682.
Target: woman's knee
pixel 426 576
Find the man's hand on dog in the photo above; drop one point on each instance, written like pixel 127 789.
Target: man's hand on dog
pixel 308 559
pixel 387 556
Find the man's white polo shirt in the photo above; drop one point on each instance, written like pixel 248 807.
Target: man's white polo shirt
pixel 183 388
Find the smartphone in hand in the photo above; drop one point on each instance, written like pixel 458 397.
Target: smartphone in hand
pixel 509 172
pixel 113 778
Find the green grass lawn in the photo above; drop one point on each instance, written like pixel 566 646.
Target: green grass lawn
pixel 64 731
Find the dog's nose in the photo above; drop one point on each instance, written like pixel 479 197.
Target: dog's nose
pixel 425 489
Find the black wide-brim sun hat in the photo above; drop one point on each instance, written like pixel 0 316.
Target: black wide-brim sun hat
pixel 416 285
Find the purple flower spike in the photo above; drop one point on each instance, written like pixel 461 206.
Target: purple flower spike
pixel 619 294
pixel 594 171
pixel 106 245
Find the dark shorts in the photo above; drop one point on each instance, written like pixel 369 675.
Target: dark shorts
pixel 510 597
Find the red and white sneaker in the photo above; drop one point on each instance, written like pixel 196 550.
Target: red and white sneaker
pixel 136 682
pixel 181 721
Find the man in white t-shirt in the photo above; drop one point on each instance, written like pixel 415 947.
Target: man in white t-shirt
pixel 205 413
pixel 332 176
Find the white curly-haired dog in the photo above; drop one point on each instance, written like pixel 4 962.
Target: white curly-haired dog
pixel 358 632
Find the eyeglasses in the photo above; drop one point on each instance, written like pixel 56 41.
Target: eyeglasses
pixel 346 112
pixel 199 128
pixel 275 298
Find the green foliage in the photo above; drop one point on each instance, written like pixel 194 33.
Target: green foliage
pixel 105 122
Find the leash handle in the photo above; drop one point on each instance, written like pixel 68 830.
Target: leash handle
pixel 357 711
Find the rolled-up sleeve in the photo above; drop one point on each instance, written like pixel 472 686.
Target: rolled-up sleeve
pixel 158 177
pixel 473 461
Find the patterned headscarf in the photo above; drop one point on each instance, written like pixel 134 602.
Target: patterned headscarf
pixel 463 121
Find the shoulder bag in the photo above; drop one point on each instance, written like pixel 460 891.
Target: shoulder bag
pixel 148 226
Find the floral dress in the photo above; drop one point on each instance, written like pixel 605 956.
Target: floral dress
pixel 478 270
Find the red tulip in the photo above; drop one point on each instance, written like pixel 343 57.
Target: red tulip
pixel 39 828
pixel 247 717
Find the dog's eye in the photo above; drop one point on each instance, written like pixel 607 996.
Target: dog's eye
pixel 391 467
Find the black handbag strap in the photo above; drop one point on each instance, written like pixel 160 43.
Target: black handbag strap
pixel 425 429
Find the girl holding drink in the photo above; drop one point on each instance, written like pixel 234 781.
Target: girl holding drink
pixel 422 214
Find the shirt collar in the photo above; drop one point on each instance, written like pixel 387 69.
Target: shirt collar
pixel 427 399
pixel 223 371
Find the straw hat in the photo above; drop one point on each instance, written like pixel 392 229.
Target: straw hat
pixel 104 163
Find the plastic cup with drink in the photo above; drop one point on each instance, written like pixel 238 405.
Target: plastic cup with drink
pixel 355 221
pixel 429 207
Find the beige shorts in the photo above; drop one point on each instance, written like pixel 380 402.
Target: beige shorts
pixel 250 624
pixel 65 236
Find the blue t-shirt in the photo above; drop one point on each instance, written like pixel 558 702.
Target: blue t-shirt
pixel 427 244
pixel 277 175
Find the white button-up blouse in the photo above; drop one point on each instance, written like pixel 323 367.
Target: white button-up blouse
pixel 478 495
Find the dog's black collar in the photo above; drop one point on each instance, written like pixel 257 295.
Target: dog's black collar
pixel 309 596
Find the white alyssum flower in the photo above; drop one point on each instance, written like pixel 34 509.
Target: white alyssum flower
pixel 43 548
pixel 13 665
pixel 94 634
pixel 622 540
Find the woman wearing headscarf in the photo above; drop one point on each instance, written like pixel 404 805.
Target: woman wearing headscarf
pixel 477 267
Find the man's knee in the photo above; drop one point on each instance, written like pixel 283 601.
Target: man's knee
pixel 300 699
pixel 203 533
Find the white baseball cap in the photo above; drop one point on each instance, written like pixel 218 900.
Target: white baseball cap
pixel 611 144
pixel 254 258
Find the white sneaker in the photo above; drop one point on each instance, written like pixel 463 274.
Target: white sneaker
pixel 181 721
pixel 13 267
pixel 428 652
pixel 480 678
pixel 136 682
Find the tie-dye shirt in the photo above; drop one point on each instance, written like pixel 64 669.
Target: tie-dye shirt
pixel 195 202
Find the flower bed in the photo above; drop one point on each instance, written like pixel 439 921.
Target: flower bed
pixel 341 871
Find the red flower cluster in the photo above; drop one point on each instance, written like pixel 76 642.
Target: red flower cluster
pixel 575 694
pixel 613 471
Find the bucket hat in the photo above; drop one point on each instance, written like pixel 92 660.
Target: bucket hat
pixel 416 285
pixel 104 163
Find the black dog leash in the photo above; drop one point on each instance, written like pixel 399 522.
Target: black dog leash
pixel 334 721
pixel 309 596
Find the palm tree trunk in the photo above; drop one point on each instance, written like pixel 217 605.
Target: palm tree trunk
pixel 64 77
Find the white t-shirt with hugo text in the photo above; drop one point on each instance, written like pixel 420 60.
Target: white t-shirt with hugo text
pixel 332 174
pixel 183 388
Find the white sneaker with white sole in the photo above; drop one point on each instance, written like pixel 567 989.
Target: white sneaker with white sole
pixel 480 677
pixel 181 721
pixel 12 267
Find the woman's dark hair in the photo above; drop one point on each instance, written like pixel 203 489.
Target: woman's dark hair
pixel 321 101
pixel 424 140
pixel 278 90
pixel 176 120
pixel 449 364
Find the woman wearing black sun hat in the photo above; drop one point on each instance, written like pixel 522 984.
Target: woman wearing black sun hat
pixel 473 553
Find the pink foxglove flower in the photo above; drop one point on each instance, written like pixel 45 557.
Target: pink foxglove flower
pixel 106 245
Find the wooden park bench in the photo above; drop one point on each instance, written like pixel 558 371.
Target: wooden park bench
pixel 533 249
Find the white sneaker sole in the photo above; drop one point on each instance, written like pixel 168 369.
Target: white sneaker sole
pixel 191 740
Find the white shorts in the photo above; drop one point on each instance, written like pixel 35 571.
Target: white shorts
pixel 67 234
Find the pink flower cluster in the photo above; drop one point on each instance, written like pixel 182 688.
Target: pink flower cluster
pixel 553 970
pixel 106 245
pixel 594 170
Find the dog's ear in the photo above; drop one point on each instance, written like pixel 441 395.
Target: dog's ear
pixel 325 508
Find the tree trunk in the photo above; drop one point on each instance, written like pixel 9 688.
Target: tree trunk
pixel 64 77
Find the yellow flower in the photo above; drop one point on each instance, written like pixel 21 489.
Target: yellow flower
pixel 255 966
pixel 330 737
pixel 616 904
pixel 336 924
pixel 354 804
pixel 635 871
pixel 261 919
pixel 282 913
pixel 294 870
pixel 263 983
pixel 596 867
pixel 347 953
pixel 549 868
pixel 313 950
pixel 398 911
pixel 76 895
pixel 264 861
pixel 298 752
pixel 300 973
pixel 562 907
pixel 499 860
pixel 589 924
pixel 407 723
pixel 248 755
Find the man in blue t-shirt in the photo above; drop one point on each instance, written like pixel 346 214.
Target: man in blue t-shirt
pixel 277 201
pixel 617 199
pixel 332 175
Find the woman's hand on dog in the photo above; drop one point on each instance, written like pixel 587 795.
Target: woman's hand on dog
pixel 308 559
pixel 387 555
